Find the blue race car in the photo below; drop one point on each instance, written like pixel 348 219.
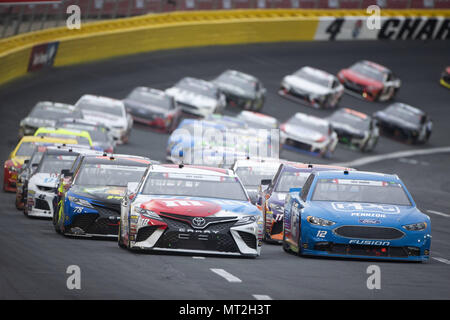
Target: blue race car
pixel 354 214
pixel 91 205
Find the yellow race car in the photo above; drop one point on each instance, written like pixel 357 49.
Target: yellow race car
pixel 83 137
pixel 23 151
pixel 445 78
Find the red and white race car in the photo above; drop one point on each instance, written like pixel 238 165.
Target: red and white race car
pixel 370 80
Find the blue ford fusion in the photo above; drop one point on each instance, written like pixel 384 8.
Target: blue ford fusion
pixel 91 204
pixel 355 214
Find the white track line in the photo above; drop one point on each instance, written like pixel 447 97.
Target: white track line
pixel 228 276
pixel 261 297
pixel 394 155
pixel 439 213
pixel 441 260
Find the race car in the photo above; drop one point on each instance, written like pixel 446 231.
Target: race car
pixel 308 134
pixel 370 80
pixel 355 128
pixel 404 122
pixel 208 212
pixel 317 88
pixel 110 112
pixel 91 205
pixel 41 187
pixel 241 90
pixel 22 152
pixel 100 134
pixel 154 108
pixel 45 114
pixel 354 214
pixel 251 172
pixel 258 120
pixel 445 78
pixel 197 97
pixel 82 137
pixel 272 197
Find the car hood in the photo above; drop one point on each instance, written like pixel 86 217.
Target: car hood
pixel 44 179
pixel 398 121
pixel 305 85
pixel 343 127
pixel 101 193
pixel 105 118
pixel 302 133
pixel 144 108
pixel 365 213
pixel 196 206
pixel 233 89
pixel 360 79
pixel 37 122
pixel 191 98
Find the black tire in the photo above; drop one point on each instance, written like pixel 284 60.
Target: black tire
pixel 120 239
pixel 285 245
pixel 56 219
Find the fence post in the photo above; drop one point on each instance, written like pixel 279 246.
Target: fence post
pixel 19 20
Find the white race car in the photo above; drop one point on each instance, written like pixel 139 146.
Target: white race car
pixel 318 88
pixel 198 97
pixel 208 212
pixel 310 134
pixel 110 112
pixel 258 120
pixel 43 183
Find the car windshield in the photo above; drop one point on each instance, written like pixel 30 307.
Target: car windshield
pixel 81 140
pixel 322 81
pixel 51 112
pixel 252 176
pixel 94 174
pixel 405 113
pixel 290 180
pixel 199 88
pixel 25 149
pixel 174 184
pixel 366 191
pixel 351 120
pixel 51 163
pixel 97 107
pixel 310 123
pixel 368 71
pixel 235 80
pixel 150 98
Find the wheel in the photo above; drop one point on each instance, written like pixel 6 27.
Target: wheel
pixel 285 245
pixel 369 145
pixel 56 219
pixel 120 239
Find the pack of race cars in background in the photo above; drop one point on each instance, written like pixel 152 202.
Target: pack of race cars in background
pixel 64 168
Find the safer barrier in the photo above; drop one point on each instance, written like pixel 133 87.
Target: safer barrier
pixel 101 40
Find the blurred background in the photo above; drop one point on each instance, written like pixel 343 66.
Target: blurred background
pixel 16 19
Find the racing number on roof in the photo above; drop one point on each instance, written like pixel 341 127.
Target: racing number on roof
pixel 334 28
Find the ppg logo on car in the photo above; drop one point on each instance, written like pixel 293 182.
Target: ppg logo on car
pixel 353 206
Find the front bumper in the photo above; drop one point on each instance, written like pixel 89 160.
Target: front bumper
pixel 323 241
pixel 40 204
pixel 222 238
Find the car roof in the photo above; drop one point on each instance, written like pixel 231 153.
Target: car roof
pixel 361 175
pixel 308 167
pixel 55 151
pixel 104 101
pixel 118 159
pixel 191 169
pixel 47 139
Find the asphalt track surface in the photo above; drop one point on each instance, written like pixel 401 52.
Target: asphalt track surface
pixel 34 259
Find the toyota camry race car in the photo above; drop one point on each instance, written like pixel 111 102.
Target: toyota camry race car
pixel 272 198
pixel 198 97
pixel 355 215
pixel 154 108
pixel 405 122
pixel 241 89
pixel 313 86
pixel 355 129
pixel 22 152
pixel 190 209
pixel 45 114
pixel 91 205
pixel 370 80
pixel 110 112
pixel 445 78
pixel 41 187
pixel 308 134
